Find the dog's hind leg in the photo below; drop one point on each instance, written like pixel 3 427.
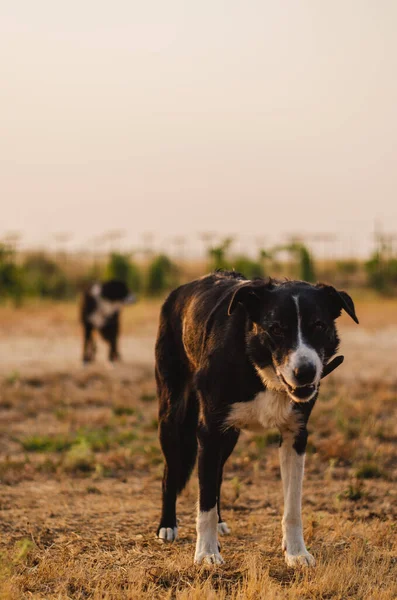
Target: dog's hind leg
pixel 177 429
pixel 110 333
pixel 229 440
pixel 170 445
pixel 188 439
pixel 89 346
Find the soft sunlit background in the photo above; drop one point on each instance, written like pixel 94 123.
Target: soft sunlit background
pixel 155 141
pixel 176 118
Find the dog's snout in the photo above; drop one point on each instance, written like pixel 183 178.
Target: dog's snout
pixel 305 373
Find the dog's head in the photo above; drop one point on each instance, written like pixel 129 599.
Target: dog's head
pixel 115 291
pixel 293 334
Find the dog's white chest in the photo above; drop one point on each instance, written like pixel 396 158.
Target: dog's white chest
pixel 104 310
pixel 97 319
pixel 267 410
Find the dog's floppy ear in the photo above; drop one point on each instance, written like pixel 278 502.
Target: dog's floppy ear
pixel 251 295
pixel 339 300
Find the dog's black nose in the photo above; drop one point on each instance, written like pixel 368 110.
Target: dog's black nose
pixel 305 374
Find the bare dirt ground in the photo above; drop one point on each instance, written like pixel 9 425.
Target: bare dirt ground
pixel 80 474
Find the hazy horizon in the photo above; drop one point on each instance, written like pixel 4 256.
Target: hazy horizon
pixel 176 118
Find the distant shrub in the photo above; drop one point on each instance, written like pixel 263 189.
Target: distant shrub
pixel 381 272
pixel 120 266
pixel 304 268
pixel 11 275
pixel 44 277
pixel 248 267
pixel 217 256
pixel 306 264
pixel 162 275
pixel 347 267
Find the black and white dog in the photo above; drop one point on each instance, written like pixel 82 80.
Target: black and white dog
pixel 230 354
pixel 100 310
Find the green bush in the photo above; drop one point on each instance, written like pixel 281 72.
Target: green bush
pixel 306 265
pixel 162 275
pixel 347 267
pixel 45 278
pixel 217 256
pixel 249 268
pixel 121 267
pixel 11 276
pixel 381 272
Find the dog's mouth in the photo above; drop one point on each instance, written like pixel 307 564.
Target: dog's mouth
pixel 302 393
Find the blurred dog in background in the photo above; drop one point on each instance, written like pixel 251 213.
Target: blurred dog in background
pixel 100 310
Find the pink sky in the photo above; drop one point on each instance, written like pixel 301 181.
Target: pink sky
pixel 256 118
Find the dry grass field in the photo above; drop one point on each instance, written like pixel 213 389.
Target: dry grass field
pixel 80 474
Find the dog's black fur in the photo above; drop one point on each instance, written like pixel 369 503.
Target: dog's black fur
pixel 216 336
pixel 100 310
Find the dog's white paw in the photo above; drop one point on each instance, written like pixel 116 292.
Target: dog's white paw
pixel 304 559
pixel 223 528
pixel 168 534
pixel 208 559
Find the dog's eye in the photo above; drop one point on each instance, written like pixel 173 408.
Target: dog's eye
pixel 276 330
pixel 319 326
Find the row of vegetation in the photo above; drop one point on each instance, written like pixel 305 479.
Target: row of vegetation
pixel 38 274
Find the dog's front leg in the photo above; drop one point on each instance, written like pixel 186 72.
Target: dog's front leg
pixel 207 546
pixel 292 466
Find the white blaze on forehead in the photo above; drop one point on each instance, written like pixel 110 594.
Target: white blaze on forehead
pixel 304 353
pixel 295 299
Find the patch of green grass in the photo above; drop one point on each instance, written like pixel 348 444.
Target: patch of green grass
pixel 236 485
pixel 46 443
pixel 92 489
pixel 311 448
pixel 153 425
pixel 153 453
pixel 34 382
pixel 124 437
pixel 354 492
pixel 369 471
pixel 48 466
pixel 271 437
pixel 61 414
pixel 123 410
pixel 351 427
pixel 146 397
pixel 383 434
pixel 80 458
pixel 10 465
pixel 99 440
pixel 13 378
pixel 22 550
